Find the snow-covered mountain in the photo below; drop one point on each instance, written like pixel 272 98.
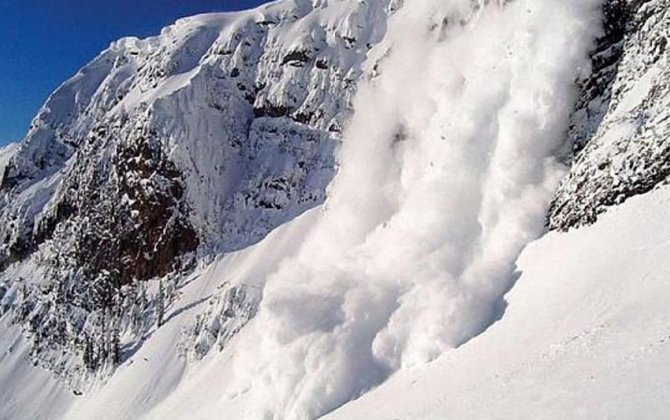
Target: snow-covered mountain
pixel 165 152
pixel 271 213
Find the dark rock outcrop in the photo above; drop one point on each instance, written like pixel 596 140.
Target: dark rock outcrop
pixel 621 125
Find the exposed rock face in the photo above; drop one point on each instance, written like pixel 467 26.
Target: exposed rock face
pixel 621 128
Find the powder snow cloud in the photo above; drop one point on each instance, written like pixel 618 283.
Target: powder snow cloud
pixel 445 173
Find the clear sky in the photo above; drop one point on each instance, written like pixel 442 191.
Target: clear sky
pixel 44 42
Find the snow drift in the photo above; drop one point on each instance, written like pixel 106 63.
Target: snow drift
pixel 445 174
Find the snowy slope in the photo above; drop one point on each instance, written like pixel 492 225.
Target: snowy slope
pixel 154 369
pixel 26 391
pixel 586 334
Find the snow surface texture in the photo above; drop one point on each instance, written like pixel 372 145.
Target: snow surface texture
pixel 585 336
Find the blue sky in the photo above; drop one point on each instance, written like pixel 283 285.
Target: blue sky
pixel 43 42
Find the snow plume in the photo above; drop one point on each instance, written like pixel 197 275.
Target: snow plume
pixel 446 171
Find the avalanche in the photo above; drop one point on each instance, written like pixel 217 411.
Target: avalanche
pixel 585 335
pixel 452 147
pixel 445 174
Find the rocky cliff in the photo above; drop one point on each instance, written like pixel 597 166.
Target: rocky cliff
pixel 621 124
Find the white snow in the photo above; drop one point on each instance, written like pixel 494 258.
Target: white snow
pixel 26 392
pixel 586 334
